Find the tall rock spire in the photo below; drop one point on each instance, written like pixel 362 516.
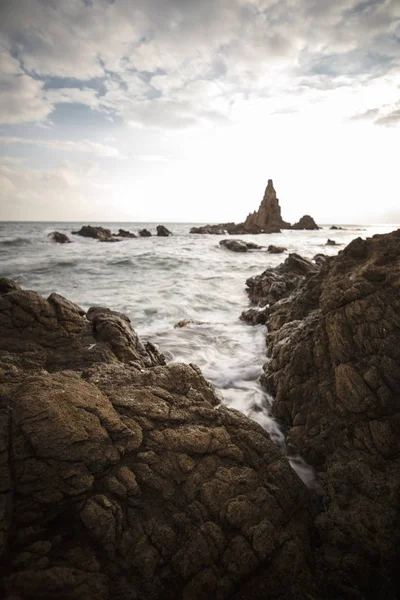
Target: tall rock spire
pixel 268 217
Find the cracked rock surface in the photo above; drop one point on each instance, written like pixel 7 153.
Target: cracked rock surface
pixel 122 478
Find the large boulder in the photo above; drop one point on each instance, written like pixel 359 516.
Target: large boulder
pixel 163 231
pixel 306 222
pixel 124 233
pixel 98 233
pixel 334 347
pixel 121 479
pixel 144 233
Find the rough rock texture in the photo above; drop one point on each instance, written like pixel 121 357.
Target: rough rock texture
pixel 98 233
pixel 144 233
pixel 334 344
pixel 121 480
pixel 239 245
pixel 306 222
pixel 59 238
pixel 268 217
pixel 126 234
pixel 163 231
pixel 220 229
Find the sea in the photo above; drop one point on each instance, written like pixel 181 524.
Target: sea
pixel 160 281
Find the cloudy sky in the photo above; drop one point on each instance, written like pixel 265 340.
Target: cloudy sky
pixel 183 109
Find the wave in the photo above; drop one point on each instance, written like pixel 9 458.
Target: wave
pixel 19 241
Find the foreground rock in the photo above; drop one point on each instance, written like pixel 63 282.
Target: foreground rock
pixel 334 347
pixel 239 245
pixel 163 231
pixel 121 480
pixel 306 222
pixel 59 238
pixel 98 233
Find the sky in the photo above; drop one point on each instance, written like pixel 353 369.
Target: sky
pixel 181 110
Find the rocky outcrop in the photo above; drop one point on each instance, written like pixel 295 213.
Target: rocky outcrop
pixel 306 222
pixel 144 233
pixel 331 243
pixel 220 229
pixel 59 238
pixel 123 233
pixel 334 347
pixel 163 231
pixel 268 217
pixel 98 233
pixel 119 477
pixel 335 227
pixel 239 245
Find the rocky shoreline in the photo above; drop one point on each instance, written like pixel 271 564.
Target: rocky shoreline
pixel 124 477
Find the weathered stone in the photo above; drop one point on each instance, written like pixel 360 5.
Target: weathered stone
pixel 239 245
pixel 163 231
pixel 98 233
pixel 144 233
pixel 306 222
pixel 123 233
pixel 60 238
pixel 268 217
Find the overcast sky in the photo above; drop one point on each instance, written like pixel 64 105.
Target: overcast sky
pixel 181 110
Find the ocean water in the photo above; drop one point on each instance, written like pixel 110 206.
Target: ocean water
pixel 160 281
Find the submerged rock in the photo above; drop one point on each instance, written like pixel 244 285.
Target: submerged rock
pixel 306 222
pixel 98 233
pixel 163 231
pixel 239 245
pixel 186 322
pixel 120 479
pixel 144 233
pixel 59 238
pixel 334 347
pixel 335 227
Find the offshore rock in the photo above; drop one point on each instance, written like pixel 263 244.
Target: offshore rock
pixel 331 243
pixel 306 222
pixel 276 249
pixel 268 217
pixel 144 233
pixel 120 479
pixel 126 234
pixel 163 231
pixel 333 370
pixel 98 233
pixel 59 238
pixel 239 245
pixel 220 229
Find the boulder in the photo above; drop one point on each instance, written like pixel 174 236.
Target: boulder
pixel 144 233
pixel 334 351
pixel 220 229
pixel 186 322
pixel 239 245
pixel 306 222
pixel 338 228
pixel 276 249
pixel 330 243
pixel 98 233
pixel 120 479
pixel 123 233
pixel 59 238
pixel 163 231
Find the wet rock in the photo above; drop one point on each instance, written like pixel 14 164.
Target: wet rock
pixel 144 233
pixel 334 348
pixel 59 238
pixel 330 243
pixel 123 233
pixel 98 233
pixel 239 245
pixel 306 222
pixel 186 322
pixel 163 231
pixel 121 479
pixel 276 249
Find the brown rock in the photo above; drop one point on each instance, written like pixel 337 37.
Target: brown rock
pixel 276 249
pixel 60 238
pixel 306 222
pixel 98 233
pixel 239 245
pixel 268 217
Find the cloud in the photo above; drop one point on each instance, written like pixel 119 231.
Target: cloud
pixel 85 146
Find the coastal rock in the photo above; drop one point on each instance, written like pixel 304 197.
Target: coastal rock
pixel 276 249
pixel 239 245
pixel 120 479
pixel 163 231
pixel 331 243
pixel 123 233
pixel 98 233
pixel 333 370
pixel 268 217
pixel 186 322
pixel 59 238
pixel 306 222
pixel 220 229
pixel 144 233
pixel 338 228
